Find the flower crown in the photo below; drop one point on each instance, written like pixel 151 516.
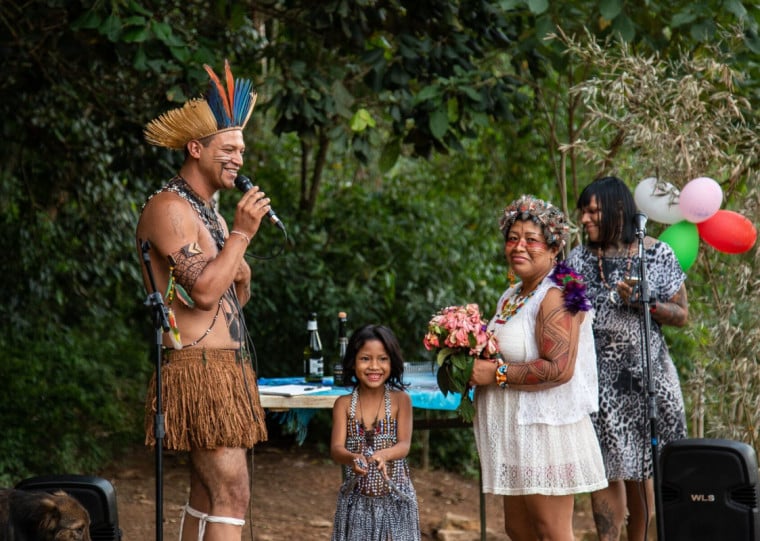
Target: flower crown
pixel 219 110
pixel 551 219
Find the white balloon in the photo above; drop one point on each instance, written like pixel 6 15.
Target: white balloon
pixel 659 201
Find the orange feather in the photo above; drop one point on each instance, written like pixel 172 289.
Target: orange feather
pixel 220 88
pixel 230 85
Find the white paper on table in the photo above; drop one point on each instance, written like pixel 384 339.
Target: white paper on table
pixel 292 389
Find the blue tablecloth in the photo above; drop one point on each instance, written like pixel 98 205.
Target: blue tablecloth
pixel 423 389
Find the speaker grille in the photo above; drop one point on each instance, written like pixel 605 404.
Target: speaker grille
pixel 745 496
pixel 669 494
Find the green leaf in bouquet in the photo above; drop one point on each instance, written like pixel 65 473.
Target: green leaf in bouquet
pixel 457 378
pixel 467 373
pixel 466 409
pixel 453 373
pixel 443 378
pixel 443 354
pixel 460 360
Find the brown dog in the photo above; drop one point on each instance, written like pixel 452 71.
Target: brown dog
pixel 41 516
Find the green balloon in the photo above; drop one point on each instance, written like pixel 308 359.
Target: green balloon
pixel 683 238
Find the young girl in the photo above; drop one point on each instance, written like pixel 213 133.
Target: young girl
pixel 371 435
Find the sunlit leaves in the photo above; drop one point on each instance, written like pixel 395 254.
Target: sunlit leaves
pixel 361 120
pixel 683 118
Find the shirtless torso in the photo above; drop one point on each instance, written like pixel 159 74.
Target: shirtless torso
pixel 217 325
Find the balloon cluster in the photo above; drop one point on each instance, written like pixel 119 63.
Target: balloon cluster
pixel 694 213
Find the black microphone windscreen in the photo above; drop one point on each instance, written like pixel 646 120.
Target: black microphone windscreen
pixel 243 183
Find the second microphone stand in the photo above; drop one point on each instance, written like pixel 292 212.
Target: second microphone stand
pixel 646 301
pixel 161 323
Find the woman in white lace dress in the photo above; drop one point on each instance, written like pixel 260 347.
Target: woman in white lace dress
pixel 535 439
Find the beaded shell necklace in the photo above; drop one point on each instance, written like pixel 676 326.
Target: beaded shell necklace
pixel 512 305
pixel 204 209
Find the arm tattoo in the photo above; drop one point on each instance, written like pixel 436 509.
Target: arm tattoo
pixel 557 333
pixel 188 263
pixel 673 312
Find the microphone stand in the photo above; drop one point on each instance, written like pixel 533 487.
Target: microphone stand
pixel 161 325
pixel 646 301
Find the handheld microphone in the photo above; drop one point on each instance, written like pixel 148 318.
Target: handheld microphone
pixel 243 183
pixel 640 221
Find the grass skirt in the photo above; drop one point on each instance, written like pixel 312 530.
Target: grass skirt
pixel 210 399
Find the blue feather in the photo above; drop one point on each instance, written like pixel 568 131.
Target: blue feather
pixel 217 107
pixel 243 89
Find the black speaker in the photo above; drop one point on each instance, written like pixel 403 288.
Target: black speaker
pixel 709 490
pixel 95 494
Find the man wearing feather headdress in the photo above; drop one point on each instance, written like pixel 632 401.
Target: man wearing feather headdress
pixel 208 385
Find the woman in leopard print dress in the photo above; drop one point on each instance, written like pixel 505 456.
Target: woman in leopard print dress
pixel 622 423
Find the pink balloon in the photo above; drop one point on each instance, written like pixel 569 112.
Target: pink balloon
pixel 728 232
pixel 700 199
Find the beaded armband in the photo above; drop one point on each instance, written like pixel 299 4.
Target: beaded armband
pixel 501 375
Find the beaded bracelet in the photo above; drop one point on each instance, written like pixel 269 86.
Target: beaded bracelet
pixel 501 375
pixel 246 237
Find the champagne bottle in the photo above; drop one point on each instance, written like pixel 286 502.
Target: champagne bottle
pixel 340 378
pixel 313 361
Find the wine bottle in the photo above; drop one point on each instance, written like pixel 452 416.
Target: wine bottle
pixel 313 360
pixel 340 378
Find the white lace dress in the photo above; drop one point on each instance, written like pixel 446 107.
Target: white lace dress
pixel 539 442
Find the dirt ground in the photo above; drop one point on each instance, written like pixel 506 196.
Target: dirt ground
pixel 294 496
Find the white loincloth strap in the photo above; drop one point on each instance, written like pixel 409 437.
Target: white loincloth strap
pixel 203 518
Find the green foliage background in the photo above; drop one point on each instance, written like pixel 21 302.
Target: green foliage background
pixel 389 148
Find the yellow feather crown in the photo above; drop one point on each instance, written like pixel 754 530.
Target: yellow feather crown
pixel 219 110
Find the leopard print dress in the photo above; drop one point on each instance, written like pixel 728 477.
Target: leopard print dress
pixel 622 423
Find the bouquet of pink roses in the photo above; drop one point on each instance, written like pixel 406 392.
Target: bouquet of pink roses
pixel 458 334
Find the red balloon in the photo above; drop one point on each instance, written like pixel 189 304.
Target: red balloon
pixel 728 232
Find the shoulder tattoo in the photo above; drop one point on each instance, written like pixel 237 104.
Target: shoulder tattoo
pixel 188 263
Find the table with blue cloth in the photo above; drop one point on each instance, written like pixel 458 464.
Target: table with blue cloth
pixel 422 388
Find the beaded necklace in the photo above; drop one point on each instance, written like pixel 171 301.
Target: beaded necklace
pixel 512 305
pixel 369 433
pixel 613 291
pixel 204 209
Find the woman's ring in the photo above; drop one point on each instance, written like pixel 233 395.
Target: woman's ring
pixel 614 297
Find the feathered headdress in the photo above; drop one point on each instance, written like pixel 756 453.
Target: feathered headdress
pixel 219 110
